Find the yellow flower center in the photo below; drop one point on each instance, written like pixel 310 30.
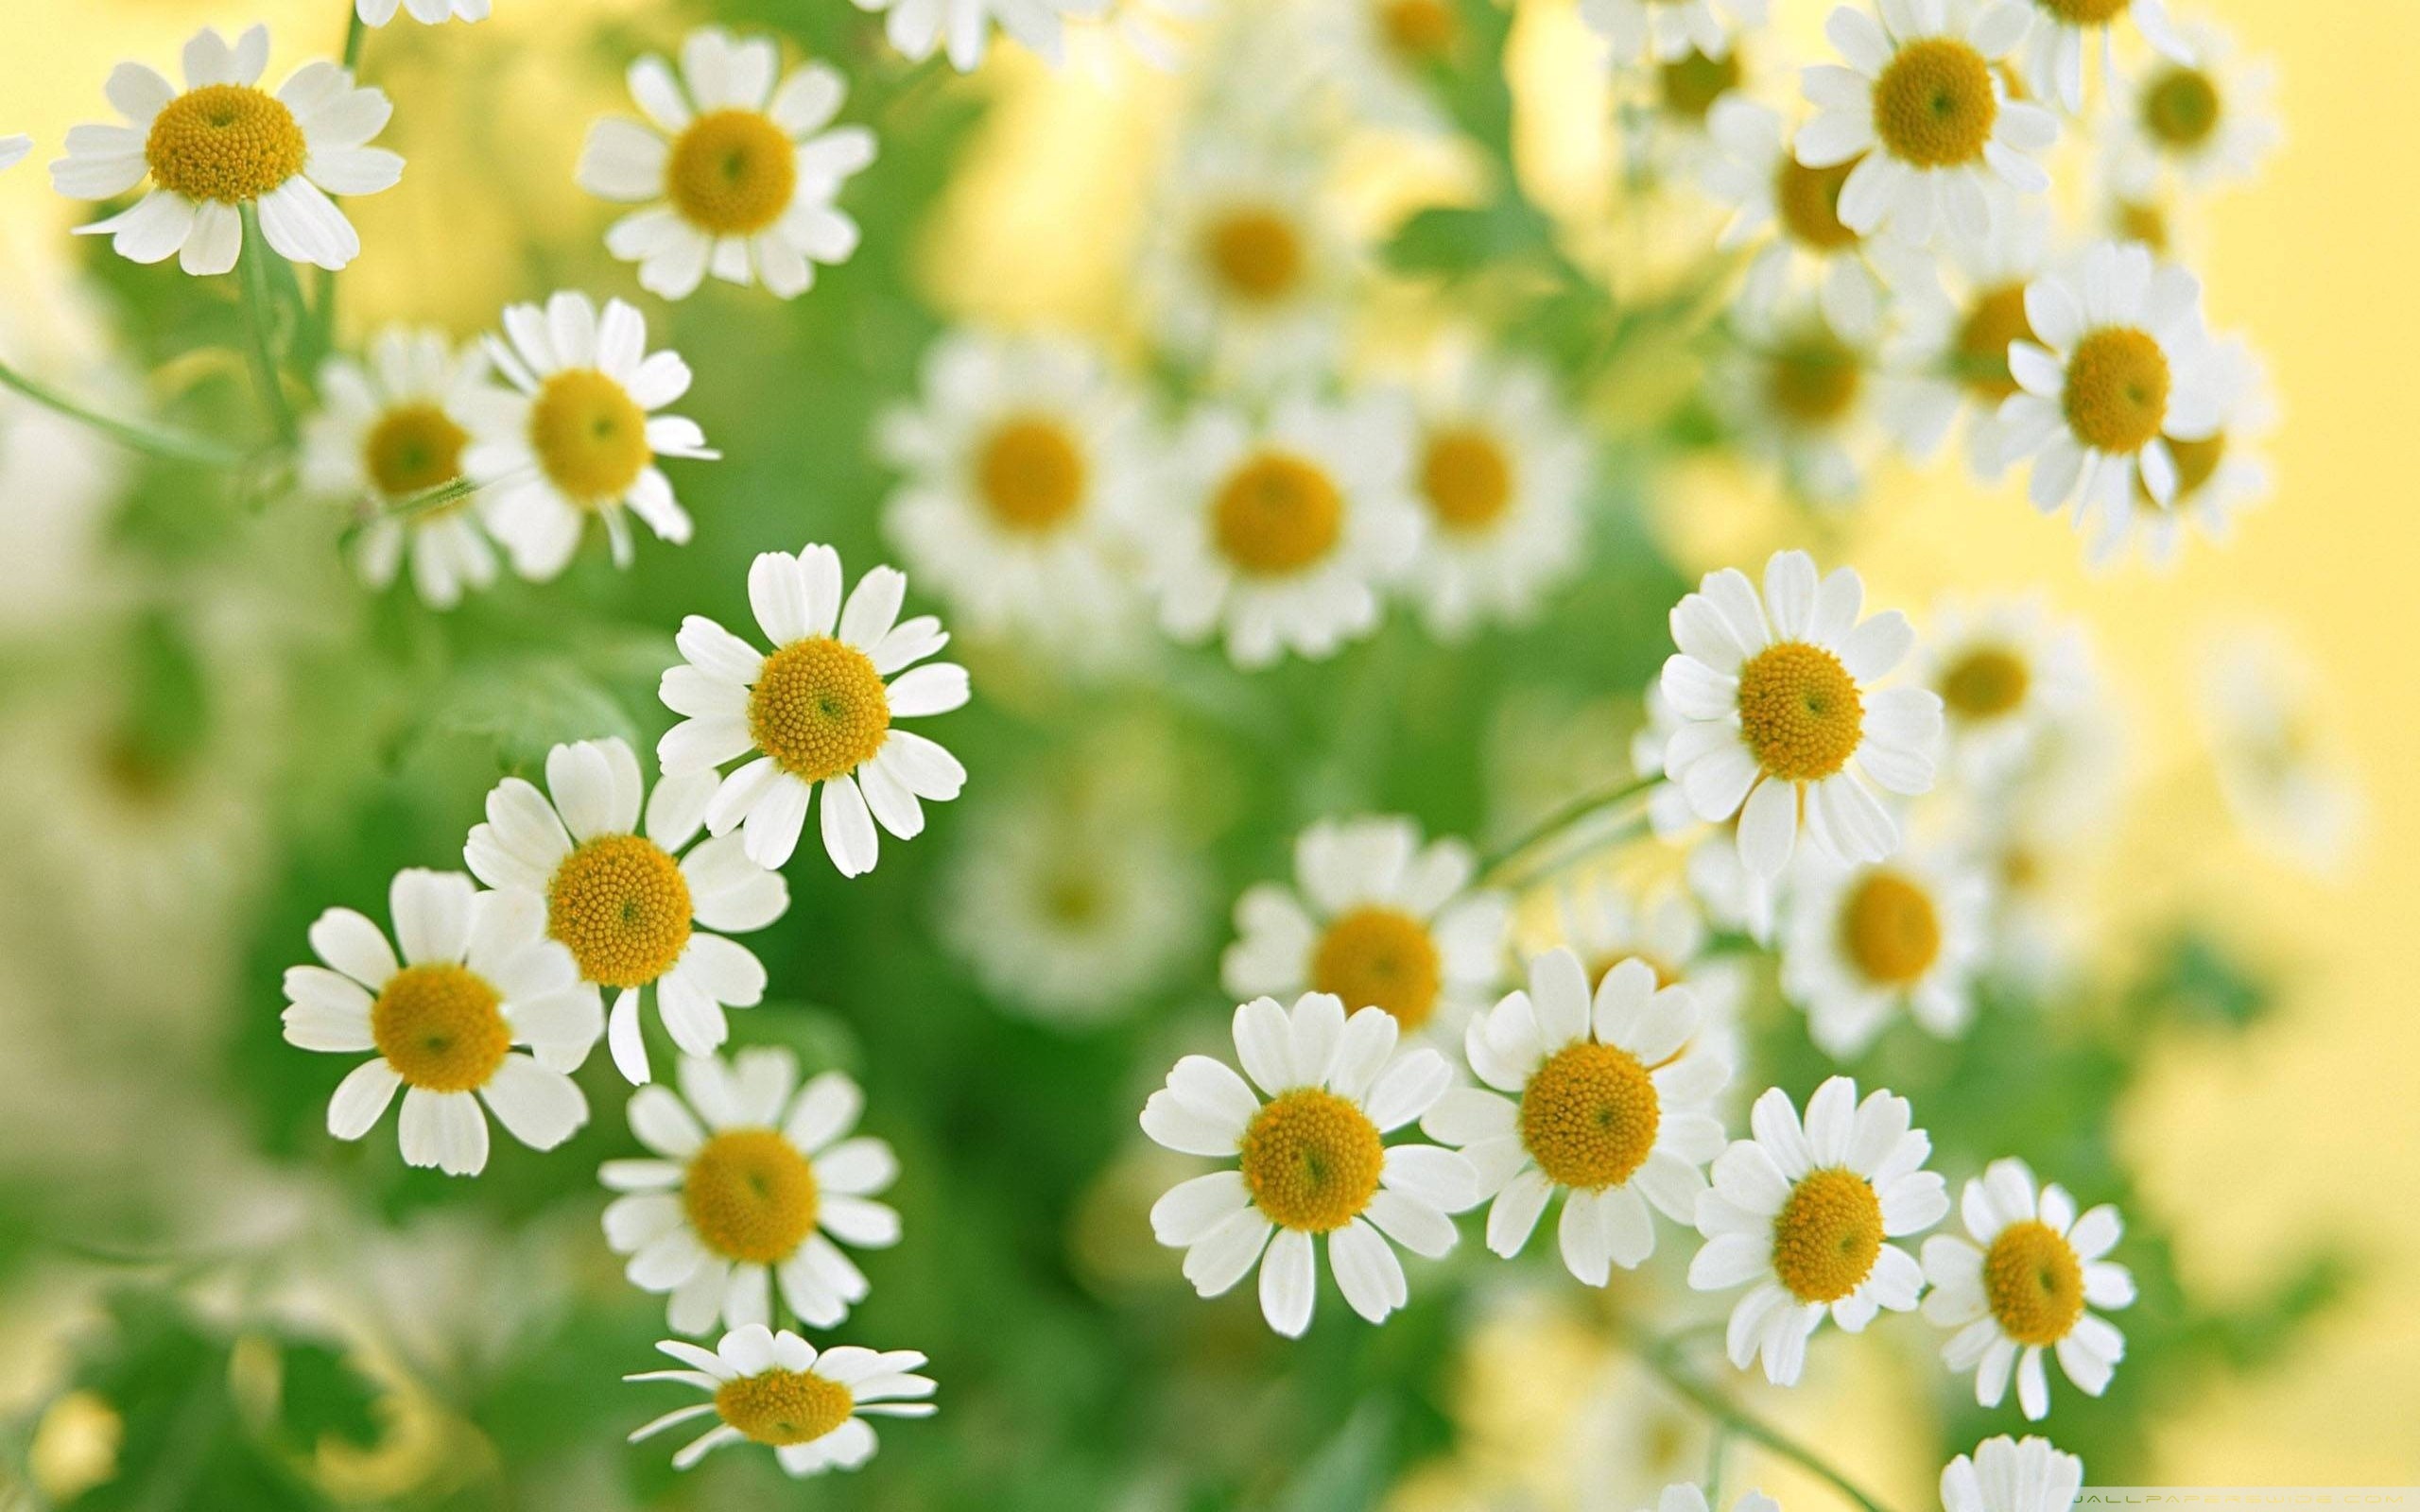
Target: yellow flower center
pixel 1466 479
pixel 1379 958
pixel 1422 30
pixel 1254 253
pixel 1985 682
pixel 622 907
pixel 819 708
pixel 1827 1234
pixel 749 1195
pixel 1993 322
pixel 1311 1160
pixel 2116 394
pixel 1276 514
pixel 229 143
pixel 2141 220
pixel 781 1407
pixel 2196 463
pixel 1799 712
pixel 2086 12
pixel 2181 107
pixel 414 447
pixel 440 1027
pixel 1589 1116
pixel 1813 379
pixel 590 435
pixel 2034 1282
pixel 1030 474
pixel 1934 106
pixel 731 173
pixel 1890 929
pixel 1692 82
pixel 1809 203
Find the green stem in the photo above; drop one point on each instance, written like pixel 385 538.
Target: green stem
pixel 1731 1419
pixel 174 445
pixel 1561 820
pixel 354 35
pixel 266 374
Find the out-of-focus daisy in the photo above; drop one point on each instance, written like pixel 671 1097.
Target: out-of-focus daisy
pixel 1866 942
pixel 809 1407
pixel 2218 477
pixel 1377 919
pixel 1802 394
pixel 2006 670
pixel 2207 121
pixel 576 436
pixel 1382 54
pixel 1690 1497
pixel 2283 770
pixel 477 976
pixel 749 1186
pixel 225 146
pixel 734 165
pixel 1949 355
pixel 1669 29
pixel 626 904
pixel 1801 1216
pixel 1607 1102
pixel 1022 465
pixel 13 151
pixel 1792 214
pixel 1671 125
pixel 816 711
pixel 2012 1475
pixel 1604 924
pixel 1159 32
pixel 1246 269
pixel 387 431
pixel 379 12
pixel 963 27
pixel 1281 536
pixel 1312 1160
pixel 2025 1281
pixel 1783 724
pixel 2050 51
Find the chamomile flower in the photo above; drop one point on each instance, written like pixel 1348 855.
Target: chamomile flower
pixel 2007 671
pixel 2025 1279
pixel 1605 924
pixel 963 27
pixel 1246 269
pixel 387 431
pixel 1669 29
pixel 636 912
pixel 1783 725
pixel 1922 112
pixel 2050 53
pixel 1381 52
pixel 478 977
pixel 1801 1217
pixel 1950 353
pixel 1802 394
pixel 738 165
pixel 2007 1474
pixel 1608 1102
pixel 809 1407
pixel 1672 132
pixel 13 151
pixel 1689 1497
pixel 1022 465
pixel 1379 920
pixel 2119 366
pixel 1790 213
pixel 2219 478
pixel 2206 122
pixel 816 711
pixel 1312 1160
pixel 225 146
pixel 1865 943
pixel 1281 535
pixel 747 1188
pixel 379 12
pixel 577 433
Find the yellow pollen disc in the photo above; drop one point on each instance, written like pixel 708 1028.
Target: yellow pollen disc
pixel 731 173
pixel 1466 479
pixel 1890 929
pixel 590 435
pixel 2033 1282
pixel 1278 514
pixel 2086 12
pixel 1254 253
pixel 1589 1116
pixel 1311 1160
pixel 1030 474
pixel 2181 107
pixel 2139 220
pixel 1993 322
pixel 749 1195
pixel 1827 1234
pixel 1799 712
pixel 1985 684
pixel 229 143
pixel 1379 958
pixel 1934 106
pixel 1692 82
pixel 819 708
pixel 1809 203
pixel 2196 463
pixel 414 447
pixel 622 907
pixel 1420 29
pixel 440 1027
pixel 2116 392
pixel 1813 379
pixel 783 1407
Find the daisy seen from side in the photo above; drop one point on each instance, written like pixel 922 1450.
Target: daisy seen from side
pixel 808 1406
pixel 2007 1474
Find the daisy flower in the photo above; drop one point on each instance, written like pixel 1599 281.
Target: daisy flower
pixel 1783 725
pixel 734 165
pixel 1381 54
pixel 1801 1216
pixel 387 431
pixel 379 12
pixel 1948 355
pixel 1604 925
pixel 2050 49
pixel 1379 920
pixel 1922 112
pixel 2007 671
pixel 1669 29
pixel 1246 268
pixel 1021 467
pixel 777 1390
pixel 2207 121
pixel 917 28
pixel 1312 1160
pixel 1284 534
pixel 2120 365
pixel 1688 1497
pixel 1790 213
pixel 2282 770
pixel 2024 1281
pixel 226 146
pixel 1866 942
pixel 2007 1474
pixel 628 905
pixel 749 1187
pixel 1607 1103
pixel 817 710
pixel 1801 392
pixel 477 976
pixel 13 151
pixel 2218 477
pixel 1672 124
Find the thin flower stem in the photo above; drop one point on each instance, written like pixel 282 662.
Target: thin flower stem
pixel 355 33
pixel 267 376
pixel 1729 1419
pixel 174 445
pixel 1561 820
